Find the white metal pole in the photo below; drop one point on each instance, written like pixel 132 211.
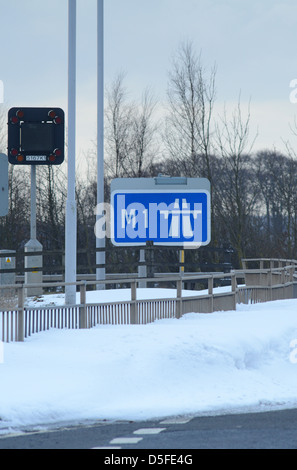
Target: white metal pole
pixel 33 245
pixel 33 203
pixel 71 217
pixel 100 242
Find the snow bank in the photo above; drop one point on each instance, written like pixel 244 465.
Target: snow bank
pixel 221 362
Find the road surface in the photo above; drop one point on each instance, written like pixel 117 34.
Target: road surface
pixel 267 430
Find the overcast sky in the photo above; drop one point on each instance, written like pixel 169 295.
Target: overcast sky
pixel 253 44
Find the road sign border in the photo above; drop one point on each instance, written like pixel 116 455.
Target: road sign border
pixel 150 185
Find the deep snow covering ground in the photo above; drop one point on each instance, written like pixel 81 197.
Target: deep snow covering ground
pixel 199 364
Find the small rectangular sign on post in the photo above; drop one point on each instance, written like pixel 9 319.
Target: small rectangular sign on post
pixel 36 136
pixel 3 185
pixel 163 210
pixel 7 265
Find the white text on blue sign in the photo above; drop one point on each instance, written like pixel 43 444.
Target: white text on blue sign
pixel 163 218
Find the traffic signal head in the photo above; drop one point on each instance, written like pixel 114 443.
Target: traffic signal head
pixel 36 136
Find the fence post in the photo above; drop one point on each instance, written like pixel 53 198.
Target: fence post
pixel 179 298
pixel 133 305
pixel 283 276
pixel 290 276
pixel 21 316
pixel 210 293
pixel 234 286
pixel 269 283
pixel 142 271
pixel 291 273
pixel 82 308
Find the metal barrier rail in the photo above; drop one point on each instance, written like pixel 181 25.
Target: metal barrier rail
pixel 19 322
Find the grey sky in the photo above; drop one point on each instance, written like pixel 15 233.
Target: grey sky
pixel 252 42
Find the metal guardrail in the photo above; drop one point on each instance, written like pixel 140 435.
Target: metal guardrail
pixel 15 320
pixel 20 321
pixel 268 263
pixel 150 261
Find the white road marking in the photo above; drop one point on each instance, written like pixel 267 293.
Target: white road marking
pixel 126 440
pixel 150 431
pixel 94 448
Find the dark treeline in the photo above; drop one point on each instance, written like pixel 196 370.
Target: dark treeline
pixel 254 198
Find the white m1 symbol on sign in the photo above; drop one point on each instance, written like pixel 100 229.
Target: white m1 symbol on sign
pixel 185 213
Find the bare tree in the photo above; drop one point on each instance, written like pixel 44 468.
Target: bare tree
pixel 118 126
pixel 289 147
pixel 268 167
pixel 130 132
pixel 233 134
pixel 236 188
pixel 51 194
pixel 15 227
pixel 143 145
pixel 191 95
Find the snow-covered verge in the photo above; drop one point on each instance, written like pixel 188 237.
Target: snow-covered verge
pixel 199 364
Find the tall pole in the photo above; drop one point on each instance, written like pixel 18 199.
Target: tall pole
pixel 100 242
pixel 71 217
pixel 33 203
pixel 33 245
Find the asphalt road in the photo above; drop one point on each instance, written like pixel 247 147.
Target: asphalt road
pixel 269 430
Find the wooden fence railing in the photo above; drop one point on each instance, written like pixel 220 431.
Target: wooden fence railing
pixel 18 321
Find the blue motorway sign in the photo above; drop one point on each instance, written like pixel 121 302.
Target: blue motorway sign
pixel 165 214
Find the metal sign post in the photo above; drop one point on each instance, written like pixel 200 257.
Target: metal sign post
pixel 33 203
pixel 35 137
pixel 71 211
pixel 100 242
pixel 33 245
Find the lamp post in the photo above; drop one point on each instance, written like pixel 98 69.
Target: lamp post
pixel 71 211
pixel 100 242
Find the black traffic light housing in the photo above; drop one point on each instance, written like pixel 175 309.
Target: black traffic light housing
pixel 36 136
